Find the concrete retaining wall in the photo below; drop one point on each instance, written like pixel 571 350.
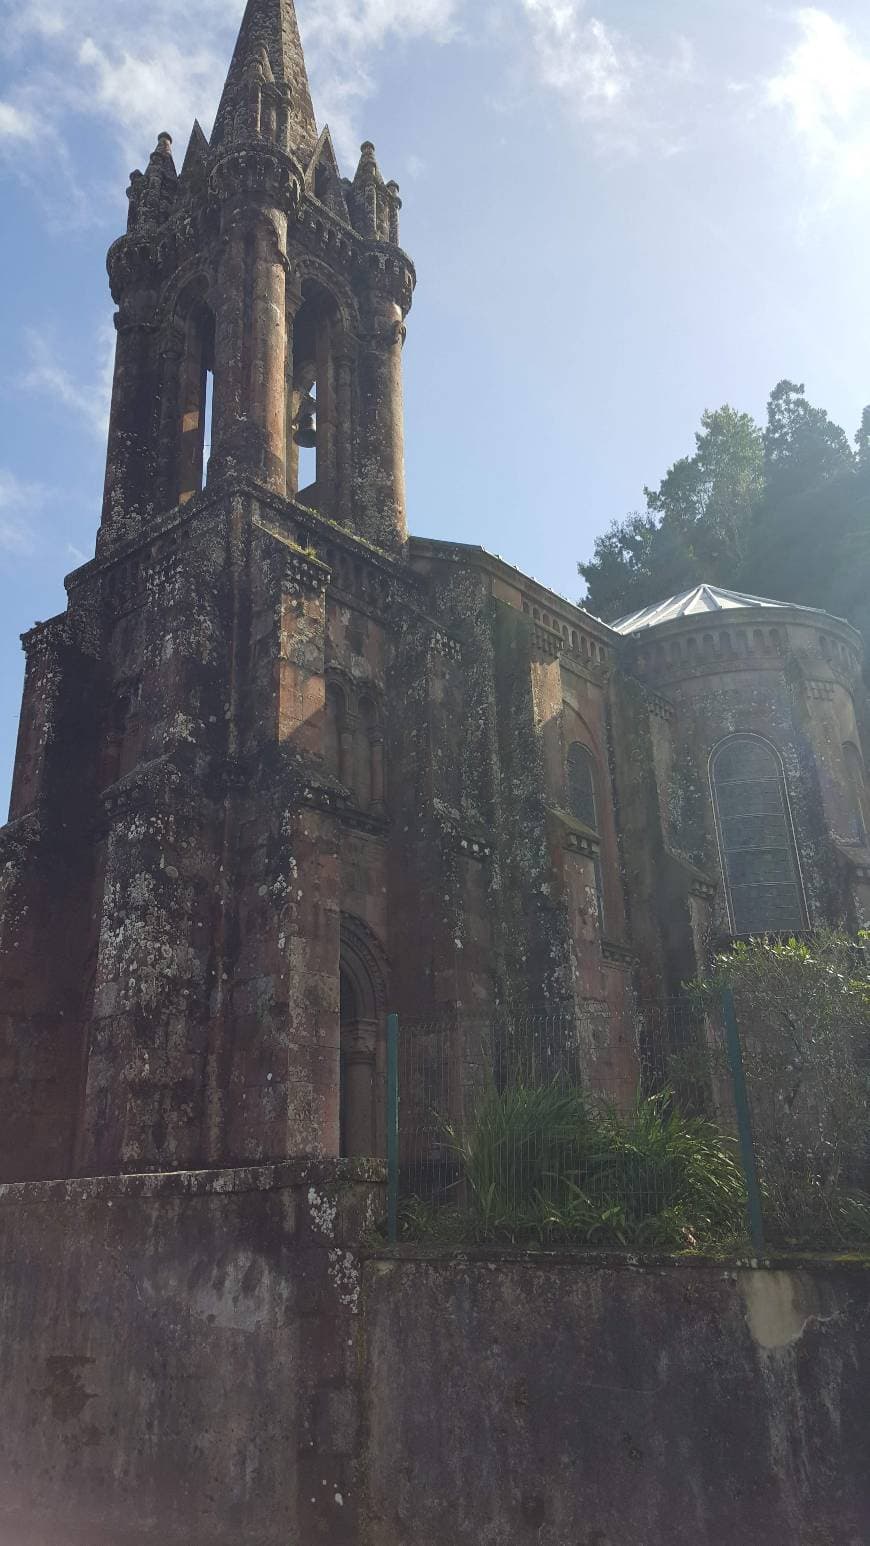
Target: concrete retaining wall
pixel 199 1360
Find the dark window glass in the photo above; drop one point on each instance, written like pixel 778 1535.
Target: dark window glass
pixel 857 792
pixel 581 785
pixel 758 853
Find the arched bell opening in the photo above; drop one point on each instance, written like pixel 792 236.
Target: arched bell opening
pixel 362 1113
pixel 312 444
pixel 195 400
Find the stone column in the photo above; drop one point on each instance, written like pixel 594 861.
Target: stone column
pixel 347 750
pixel 130 462
pixel 380 473
pixel 170 417
pixel 326 420
pixel 232 352
pixel 249 416
pixel 292 394
pixel 269 345
pixel 344 355
pixel 358 1049
pixel 378 789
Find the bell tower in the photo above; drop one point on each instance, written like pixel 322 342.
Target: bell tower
pixel 261 309
pixel 174 913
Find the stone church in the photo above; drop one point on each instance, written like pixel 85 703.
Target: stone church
pixel 283 769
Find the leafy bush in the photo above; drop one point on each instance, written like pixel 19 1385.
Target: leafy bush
pixel 538 1164
pixel 803 1008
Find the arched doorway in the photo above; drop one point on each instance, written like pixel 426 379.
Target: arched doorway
pixel 362 1118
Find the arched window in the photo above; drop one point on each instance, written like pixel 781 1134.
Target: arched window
pixel 581 785
pixel 756 839
pixel 582 803
pixel 196 399
pixel 857 791
pixel 313 402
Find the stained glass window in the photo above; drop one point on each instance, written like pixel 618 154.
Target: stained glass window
pixel 762 877
pixel 857 792
pixel 581 785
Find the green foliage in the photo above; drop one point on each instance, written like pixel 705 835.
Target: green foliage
pixel 695 525
pixel 539 1166
pixel 802 447
pixel 785 513
pixel 803 1007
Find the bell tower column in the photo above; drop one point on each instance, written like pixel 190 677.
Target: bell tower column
pixel 133 263
pixel 380 482
pixel 250 388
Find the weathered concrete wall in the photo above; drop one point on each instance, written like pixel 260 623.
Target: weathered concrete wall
pixel 198 1359
pixel 523 1403
pixel 177 1358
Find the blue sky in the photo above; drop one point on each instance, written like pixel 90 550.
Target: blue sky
pixel 622 213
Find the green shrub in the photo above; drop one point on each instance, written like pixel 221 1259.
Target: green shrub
pixel 538 1164
pixel 803 1009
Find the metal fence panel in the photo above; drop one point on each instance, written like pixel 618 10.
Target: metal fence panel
pixel 732 1140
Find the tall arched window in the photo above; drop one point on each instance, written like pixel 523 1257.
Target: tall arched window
pixel 583 803
pixel 756 839
pixel 581 785
pixel 196 397
pixel 857 790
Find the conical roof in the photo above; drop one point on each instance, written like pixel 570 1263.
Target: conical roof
pixel 270 27
pixel 693 603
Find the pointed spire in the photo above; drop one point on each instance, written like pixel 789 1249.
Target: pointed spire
pixel 269 46
pixel 197 150
pixel 152 193
pixel 373 206
pixel 368 171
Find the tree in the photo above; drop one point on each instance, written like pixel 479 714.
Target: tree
pixel 802 447
pixel 811 541
pixel 696 523
pixel 784 514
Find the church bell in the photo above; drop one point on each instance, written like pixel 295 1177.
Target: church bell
pixel 306 424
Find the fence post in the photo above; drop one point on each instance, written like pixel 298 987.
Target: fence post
pixel 744 1122
pixel 392 1128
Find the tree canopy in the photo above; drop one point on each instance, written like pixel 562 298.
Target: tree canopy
pixel 781 512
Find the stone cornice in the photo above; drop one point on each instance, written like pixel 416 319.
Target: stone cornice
pixel 293 522
pixel 855 857
pixel 617 954
pixel 469 556
pixel 460 838
pixel 696 881
pixel 659 707
pixel 575 836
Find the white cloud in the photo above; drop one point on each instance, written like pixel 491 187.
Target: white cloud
pixel 823 87
pixel 579 57
pixel 86 400
pixel 16 123
pixel 142 92
pixel 626 97
pixel 342 40
pixel 19 502
pixel 95 60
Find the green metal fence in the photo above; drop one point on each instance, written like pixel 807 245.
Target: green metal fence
pixel 668 1128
